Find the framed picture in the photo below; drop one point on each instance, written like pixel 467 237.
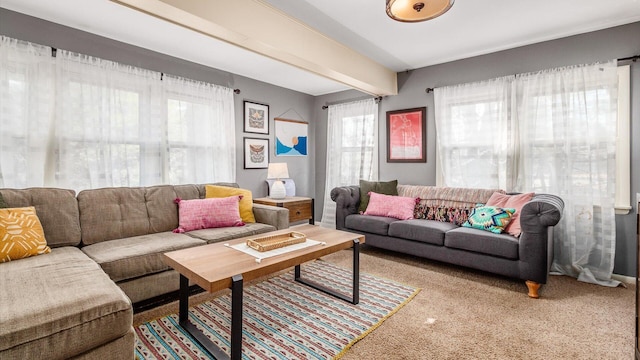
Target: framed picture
pixel 291 137
pixel 256 153
pixel 256 118
pixel 407 135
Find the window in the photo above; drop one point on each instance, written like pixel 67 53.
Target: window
pixel 108 124
pixel 358 146
pixel 352 152
pixel 561 131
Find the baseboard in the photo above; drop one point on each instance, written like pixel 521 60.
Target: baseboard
pixel 623 278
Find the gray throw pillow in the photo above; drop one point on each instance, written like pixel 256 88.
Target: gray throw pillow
pixel 380 187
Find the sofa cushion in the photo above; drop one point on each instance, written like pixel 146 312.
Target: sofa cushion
pixel 161 208
pixel 21 234
pixel 380 187
pixel 516 202
pixel 199 214
pixel 489 218
pixel 398 207
pixel 428 231
pixel 484 242
pixel 57 210
pixel 132 257
pixel 113 213
pixel 227 233
pixel 246 202
pixel 368 223
pixel 189 191
pixel 453 215
pixel 65 305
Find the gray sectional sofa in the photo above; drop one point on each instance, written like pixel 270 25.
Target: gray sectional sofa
pixel 527 257
pixel 76 301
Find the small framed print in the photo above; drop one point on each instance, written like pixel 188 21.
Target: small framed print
pixel 256 153
pixel 407 135
pixel 256 117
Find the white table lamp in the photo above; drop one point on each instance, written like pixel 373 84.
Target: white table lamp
pixel 277 171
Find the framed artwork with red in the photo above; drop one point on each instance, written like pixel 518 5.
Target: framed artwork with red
pixel 407 135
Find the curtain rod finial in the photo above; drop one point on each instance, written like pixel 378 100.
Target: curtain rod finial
pixel 236 91
pixel 428 90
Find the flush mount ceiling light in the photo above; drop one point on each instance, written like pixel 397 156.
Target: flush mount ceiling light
pixel 415 11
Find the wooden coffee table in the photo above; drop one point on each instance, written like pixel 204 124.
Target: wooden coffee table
pixel 216 267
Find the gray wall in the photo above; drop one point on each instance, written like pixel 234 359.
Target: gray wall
pixel 282 102
pixel 618 42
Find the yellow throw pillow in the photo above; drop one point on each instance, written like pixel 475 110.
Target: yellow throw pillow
pixel 246 203
pixel 21 234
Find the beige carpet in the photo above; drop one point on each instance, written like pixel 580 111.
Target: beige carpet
pixel 464 314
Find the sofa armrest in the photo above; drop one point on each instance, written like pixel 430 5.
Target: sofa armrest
pixel 347 199
pixel 271 215
pixel 537 219
pixel 541 211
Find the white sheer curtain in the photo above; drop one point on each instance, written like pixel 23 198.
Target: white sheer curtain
pixel 79 122
pixel 475 134
pixel 548 132
pixel 568 121
pixel 26 93
pixel 109 126
pixel 124 126
pixel 352 149
pixel 201 131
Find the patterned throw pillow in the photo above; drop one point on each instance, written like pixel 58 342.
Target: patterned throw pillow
pixel 398 207
pixel 21 234
pixel 208 213
pixel 489 218
pixel 380 187
pixel 453 215
pixel 456 216
pixel 422 211
pixel 246 204
pixel 511 201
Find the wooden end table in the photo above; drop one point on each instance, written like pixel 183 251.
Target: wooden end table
pixel 300 208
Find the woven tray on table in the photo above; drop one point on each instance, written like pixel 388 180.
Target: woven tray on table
pixel 270 242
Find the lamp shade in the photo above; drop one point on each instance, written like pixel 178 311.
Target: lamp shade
pixel 414 11
pixel 277 171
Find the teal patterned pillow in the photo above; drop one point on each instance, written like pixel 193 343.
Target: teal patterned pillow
pixel 489 218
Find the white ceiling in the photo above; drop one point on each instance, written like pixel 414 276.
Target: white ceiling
pixel 470 28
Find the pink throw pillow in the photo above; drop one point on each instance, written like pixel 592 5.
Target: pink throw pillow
pixel 208 213
pixel 511 201
pixel 399 207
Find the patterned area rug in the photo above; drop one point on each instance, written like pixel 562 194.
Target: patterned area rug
pixel 282 319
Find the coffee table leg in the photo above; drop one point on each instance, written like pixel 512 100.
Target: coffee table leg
pixel 236 317
pixel 236 320
pixel 183 311
pixel 355 296
pixel 356 271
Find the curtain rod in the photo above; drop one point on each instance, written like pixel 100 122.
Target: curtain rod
pixel 325 107
pixel 54 52
pixel 633 58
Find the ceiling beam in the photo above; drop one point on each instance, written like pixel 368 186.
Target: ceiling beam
pixel 259 27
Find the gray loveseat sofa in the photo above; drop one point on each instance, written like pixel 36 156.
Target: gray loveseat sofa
pixel 76 301
pixel 527 257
